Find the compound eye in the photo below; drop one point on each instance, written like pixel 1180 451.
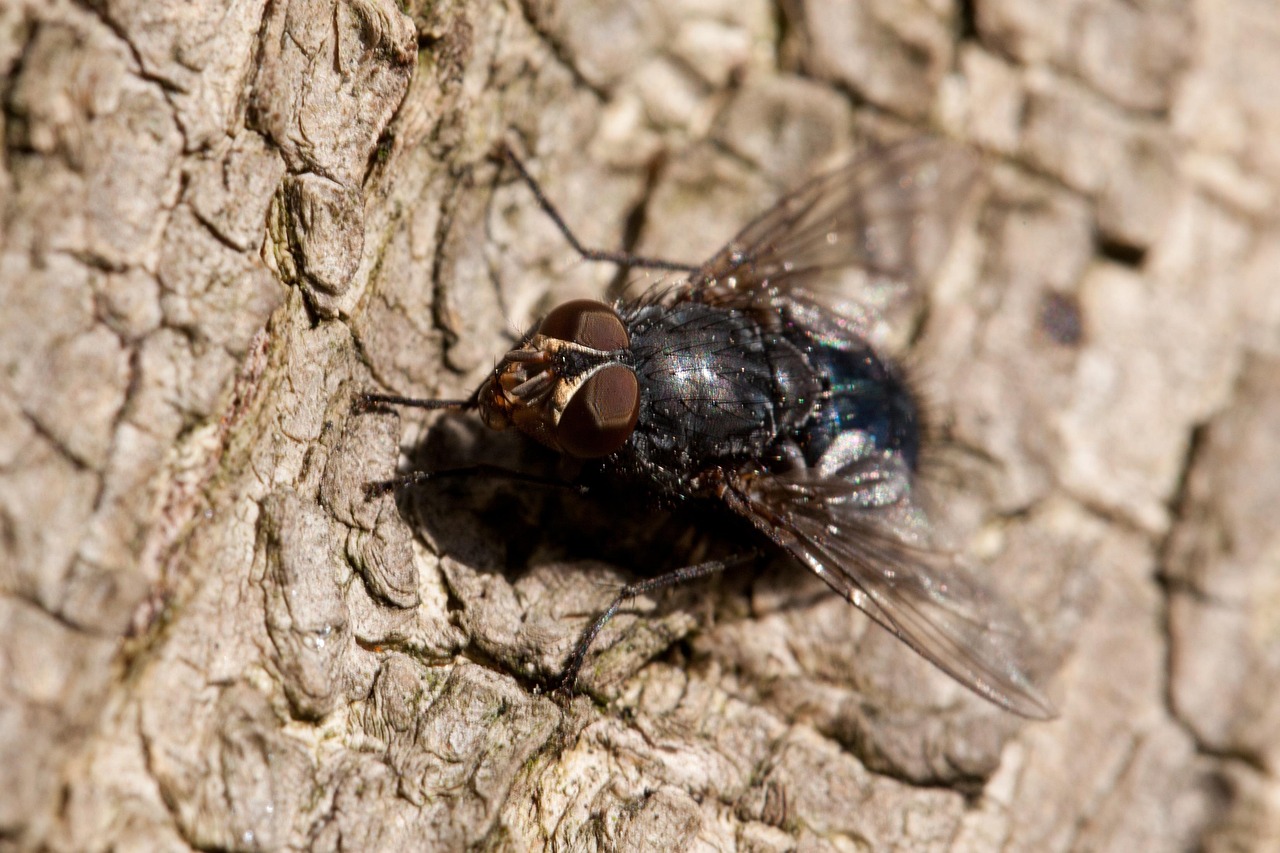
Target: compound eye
pixel 588 323
pixel 601 414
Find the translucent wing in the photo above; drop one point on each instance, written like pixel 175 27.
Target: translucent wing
pixel 852 521
pixel 889 214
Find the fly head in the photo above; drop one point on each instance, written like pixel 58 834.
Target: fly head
pixel 569 385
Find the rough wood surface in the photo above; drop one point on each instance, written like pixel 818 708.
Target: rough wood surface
pixel 221 220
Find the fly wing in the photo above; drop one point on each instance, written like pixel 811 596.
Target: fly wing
pixel 851 520
pixel 889 215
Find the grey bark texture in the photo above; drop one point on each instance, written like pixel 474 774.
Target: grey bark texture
pixel 223 219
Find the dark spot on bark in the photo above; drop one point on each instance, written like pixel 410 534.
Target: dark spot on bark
pixel 968 20
pixel 1060 318
pixel 1120 252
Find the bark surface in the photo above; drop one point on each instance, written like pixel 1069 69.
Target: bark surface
pixel 221 220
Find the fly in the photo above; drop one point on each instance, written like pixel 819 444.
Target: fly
pixel 745 387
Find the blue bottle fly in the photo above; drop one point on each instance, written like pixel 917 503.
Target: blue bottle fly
pixel 753 385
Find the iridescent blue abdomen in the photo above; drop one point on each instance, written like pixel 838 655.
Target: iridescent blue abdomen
pixel 863 392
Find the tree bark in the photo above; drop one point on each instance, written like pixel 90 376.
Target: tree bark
pixel 224 220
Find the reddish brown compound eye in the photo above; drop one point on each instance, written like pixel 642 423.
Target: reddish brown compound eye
pixel 601 414
pixel 586 322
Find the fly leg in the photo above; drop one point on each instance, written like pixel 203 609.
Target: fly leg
pixel 367 401
pixel 564 684
pixel 622 259
pixel 495 472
